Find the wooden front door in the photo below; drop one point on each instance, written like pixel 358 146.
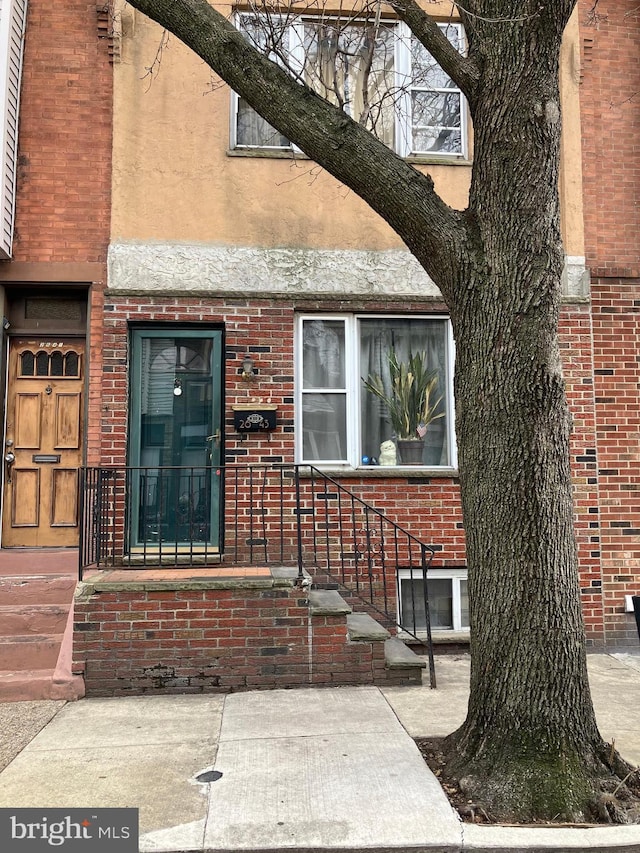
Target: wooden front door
pixel 43 442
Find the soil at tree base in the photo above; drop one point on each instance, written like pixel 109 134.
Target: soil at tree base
pixel 623 807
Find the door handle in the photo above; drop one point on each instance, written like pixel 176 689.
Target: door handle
pixel 9 459
pixel 216 438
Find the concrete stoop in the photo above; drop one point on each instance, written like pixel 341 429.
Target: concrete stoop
pixel 392 662
pixel 36 636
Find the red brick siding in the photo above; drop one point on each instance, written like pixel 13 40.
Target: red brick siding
pixel 64 173
pixel 616 332
pixel 610 104
pixel 213 640
pixel 428 507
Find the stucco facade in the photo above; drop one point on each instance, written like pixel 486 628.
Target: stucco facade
pixel 250 241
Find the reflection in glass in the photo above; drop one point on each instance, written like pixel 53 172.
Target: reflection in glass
pixel 175 432
pixel 324 427
pixel 377 338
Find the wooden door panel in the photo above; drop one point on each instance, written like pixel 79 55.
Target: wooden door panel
pixel 28 421
pixel 25 504
pixel 64 497
pixel 67 428
pixel 44 430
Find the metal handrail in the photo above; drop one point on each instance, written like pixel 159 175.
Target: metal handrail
pixel 270 514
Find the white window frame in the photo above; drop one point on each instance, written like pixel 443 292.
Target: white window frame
pixel 404 112
pixel 455 575
pixel 403 81
pixel 353 389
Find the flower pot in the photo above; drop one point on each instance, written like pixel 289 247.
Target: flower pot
pixel 411 450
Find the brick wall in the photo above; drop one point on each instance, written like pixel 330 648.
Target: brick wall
pixel 610 105
pixel 428 506
pixel 616 332
pixel 178 640
pixel 64 168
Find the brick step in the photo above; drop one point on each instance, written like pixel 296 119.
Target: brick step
pixel 17 620
pixel 29 652
pixel 36 590
pixel 36 684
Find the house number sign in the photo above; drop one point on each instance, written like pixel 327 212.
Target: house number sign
pixel 254 419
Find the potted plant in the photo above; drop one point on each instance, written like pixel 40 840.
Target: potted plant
pixel 409 397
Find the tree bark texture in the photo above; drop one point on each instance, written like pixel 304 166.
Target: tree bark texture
pixel 529 747
pixel 530 741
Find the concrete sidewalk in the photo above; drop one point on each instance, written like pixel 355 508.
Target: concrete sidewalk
pixel 317 769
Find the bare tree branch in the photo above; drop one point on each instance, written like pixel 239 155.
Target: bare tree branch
pixel 462 70
pixel 322 130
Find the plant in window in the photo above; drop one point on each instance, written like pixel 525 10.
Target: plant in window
pixel 409 397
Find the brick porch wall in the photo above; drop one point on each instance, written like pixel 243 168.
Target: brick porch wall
pixel 187 638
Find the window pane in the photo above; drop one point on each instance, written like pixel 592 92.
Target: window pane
pixel 437 139
pixel 324 426
pixel 436 114
pixel 27 361
pixel 425 70
pixel 56 364
pixel 71 364
pixel 42 364
pixel 440 603
pixel 379 338
pixel 352 67
pixel 252 129
pixel 431 109
pixel 464 604
pixel 271 36
pixel 323 347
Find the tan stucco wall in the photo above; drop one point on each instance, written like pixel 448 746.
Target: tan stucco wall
pixel 174 180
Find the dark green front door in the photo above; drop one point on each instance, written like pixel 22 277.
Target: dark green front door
pixel 175 438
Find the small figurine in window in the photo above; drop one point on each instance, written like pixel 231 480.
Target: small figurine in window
pixel 387 453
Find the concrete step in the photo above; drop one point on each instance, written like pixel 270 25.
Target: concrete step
pixel 400 657
pixel 29 652
pixel 327 602
pixel 34 685
pixel 362 628
pixel 37 590
pixel 32 619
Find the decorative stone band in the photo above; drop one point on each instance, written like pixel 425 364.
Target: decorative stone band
pixel 198 269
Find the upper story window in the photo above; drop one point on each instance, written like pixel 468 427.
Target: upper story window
pixel 378 73
pixel 340 422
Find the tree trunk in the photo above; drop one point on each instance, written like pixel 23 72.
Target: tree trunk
pixel 529 746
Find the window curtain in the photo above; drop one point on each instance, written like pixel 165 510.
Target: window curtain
pixel 254 130
pixel 324 414
pixel 377 339
pixel 352 67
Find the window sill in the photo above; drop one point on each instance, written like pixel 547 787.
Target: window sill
pixel 287 154
pixel 378 472
pixel 446 160
pixel 440 637
pixel 268 153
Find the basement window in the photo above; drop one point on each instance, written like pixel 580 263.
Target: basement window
pixel 448 600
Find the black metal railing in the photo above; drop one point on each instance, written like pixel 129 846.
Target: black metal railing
pixel 248 515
